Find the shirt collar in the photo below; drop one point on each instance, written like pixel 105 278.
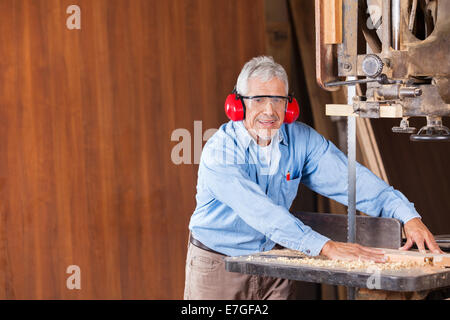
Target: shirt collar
pixel 245 138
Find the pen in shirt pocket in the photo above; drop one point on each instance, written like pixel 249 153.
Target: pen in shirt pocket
pixel 288 176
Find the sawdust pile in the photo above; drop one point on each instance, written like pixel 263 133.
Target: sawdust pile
pixel 298 258
pixel 348 265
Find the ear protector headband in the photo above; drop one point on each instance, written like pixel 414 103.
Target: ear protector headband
pixel 235 108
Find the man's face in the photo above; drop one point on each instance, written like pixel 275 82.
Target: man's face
pixel 262 120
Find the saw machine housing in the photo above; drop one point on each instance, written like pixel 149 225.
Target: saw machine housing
pixel 396 52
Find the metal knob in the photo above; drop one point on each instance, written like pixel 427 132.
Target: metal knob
pixel 372 65
pixel 433 131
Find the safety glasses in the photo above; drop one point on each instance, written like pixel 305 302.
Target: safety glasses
pixel 278 102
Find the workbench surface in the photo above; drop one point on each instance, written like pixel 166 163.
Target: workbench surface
pixel 406 280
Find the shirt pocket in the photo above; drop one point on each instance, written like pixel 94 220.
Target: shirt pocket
pixel 289 189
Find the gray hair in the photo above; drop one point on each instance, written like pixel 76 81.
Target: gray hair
pixel 264 68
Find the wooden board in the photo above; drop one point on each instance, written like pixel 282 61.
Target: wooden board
pixel 332 10
pixel 439 260
pixel 393 111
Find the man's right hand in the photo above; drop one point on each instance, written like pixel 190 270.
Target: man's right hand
pixel 351 251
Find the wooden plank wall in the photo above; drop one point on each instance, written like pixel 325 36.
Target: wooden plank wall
pixel 86 118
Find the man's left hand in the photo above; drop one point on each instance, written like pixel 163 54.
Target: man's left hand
pixel 417 232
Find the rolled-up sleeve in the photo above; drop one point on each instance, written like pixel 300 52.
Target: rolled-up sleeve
pixel 325 172
pixel 226 179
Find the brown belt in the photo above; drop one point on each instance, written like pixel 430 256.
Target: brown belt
pixel 200 245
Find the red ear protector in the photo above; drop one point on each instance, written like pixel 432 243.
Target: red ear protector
pixel 235 108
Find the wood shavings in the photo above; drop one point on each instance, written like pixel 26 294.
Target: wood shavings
pixel 285 252
pixel 342 264
pixel 287 256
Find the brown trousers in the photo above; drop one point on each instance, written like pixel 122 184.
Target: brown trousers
pixel 207 279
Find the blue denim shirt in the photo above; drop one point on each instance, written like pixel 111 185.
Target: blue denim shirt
pixel 241 211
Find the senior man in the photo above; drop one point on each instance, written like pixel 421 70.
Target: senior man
pixel 249 175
